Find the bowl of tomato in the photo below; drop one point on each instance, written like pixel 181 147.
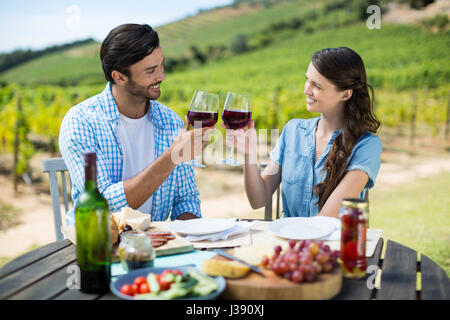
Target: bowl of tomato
pixel 184 282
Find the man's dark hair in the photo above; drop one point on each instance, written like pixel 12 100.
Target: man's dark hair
pixel 125 45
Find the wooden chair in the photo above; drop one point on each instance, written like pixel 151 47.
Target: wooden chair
pixel 53 166
pixel 268 210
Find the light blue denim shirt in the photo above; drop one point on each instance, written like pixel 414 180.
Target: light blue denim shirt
pixel 295 153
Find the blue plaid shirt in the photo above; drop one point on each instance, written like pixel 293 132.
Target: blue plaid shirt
pixel 91 126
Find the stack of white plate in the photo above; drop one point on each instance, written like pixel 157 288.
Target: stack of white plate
pixel 203 227
pixel 303 228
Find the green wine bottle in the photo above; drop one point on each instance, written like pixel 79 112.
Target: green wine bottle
pixel 93 237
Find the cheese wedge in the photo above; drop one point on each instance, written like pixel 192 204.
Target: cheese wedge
pixel 254 253
pixel 118 218
pixel 137 220
pixel 225 268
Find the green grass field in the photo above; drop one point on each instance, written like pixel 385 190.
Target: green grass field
pixel 219 27
pixel 416 215
pixel 80 65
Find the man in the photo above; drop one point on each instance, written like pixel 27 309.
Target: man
pixel 137 139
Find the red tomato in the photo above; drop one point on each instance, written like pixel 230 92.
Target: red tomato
pixel 134 288
pixel 164 285
pixel 126 289
pixel 176 271
pixel 140 280
pixel 165 272
pixel 144 288
pixel 347 221
pixel 351 251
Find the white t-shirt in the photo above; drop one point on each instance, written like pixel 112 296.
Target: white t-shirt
pixel 138 144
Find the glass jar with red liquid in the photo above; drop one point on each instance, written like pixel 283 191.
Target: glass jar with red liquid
pixel 354 216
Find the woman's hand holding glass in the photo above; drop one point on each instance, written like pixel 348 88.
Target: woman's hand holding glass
pixel 244 141
pixel 236 115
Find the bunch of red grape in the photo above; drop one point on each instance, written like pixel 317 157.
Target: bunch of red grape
pixel 302 261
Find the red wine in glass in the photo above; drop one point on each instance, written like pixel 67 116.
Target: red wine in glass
pixel 237 113
pixel 236 119
pixel 204 107
pixel 207 118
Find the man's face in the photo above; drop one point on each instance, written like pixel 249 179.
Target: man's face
pixel 146 76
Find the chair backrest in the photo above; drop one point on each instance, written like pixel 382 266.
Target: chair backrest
pixel 53 166
pixel 268 210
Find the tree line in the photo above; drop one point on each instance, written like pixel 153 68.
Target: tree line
pixel 16 57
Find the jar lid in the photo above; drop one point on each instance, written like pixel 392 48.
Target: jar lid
pixel 355 203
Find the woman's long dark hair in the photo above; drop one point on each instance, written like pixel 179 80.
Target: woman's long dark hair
pixel 345 69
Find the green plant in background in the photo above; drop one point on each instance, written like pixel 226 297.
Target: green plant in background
pixel 48 115
pixel 14 129
pixel 440 21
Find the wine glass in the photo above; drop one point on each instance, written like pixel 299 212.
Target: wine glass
pixel 237 112
pixel 203 112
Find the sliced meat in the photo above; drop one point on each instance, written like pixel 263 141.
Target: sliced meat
pixel 161 234
pixel 158 233
pixel 159 240
pixel 170 237
pixel 158 243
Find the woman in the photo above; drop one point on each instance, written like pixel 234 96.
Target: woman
pixel 325 159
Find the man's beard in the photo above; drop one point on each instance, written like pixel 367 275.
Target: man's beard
pixel 140 92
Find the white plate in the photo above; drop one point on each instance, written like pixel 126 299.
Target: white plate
pixel 301 228
pixel 198 227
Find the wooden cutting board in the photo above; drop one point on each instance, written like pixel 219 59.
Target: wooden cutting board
pixel 175 246
pixel 273 287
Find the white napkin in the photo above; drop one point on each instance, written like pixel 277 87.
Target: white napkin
pixel 336 234
pixel 239 227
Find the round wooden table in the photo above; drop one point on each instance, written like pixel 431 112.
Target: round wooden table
pixel 43 274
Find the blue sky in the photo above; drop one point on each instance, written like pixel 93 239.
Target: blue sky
pixel 37 24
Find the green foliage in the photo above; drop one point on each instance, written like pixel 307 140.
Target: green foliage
pixel 417 4
pixel 239 43
pixel 40 114
pixel 440 21
pixel 14 129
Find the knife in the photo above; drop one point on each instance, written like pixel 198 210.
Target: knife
pixel 229 256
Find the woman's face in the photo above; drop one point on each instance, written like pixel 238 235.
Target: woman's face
pixel 321 95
